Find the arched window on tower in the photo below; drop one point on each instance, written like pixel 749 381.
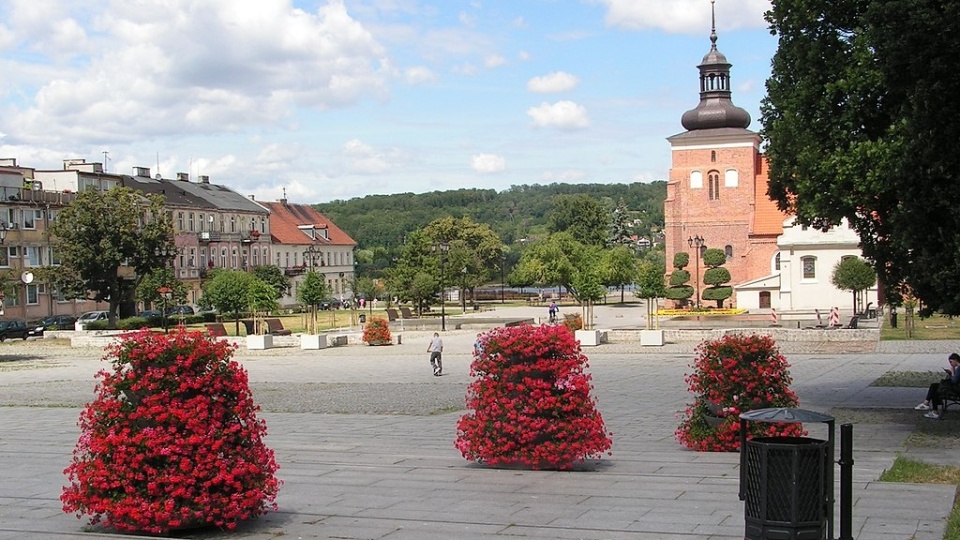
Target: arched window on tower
pixel 728 251
pixel 713 179
pixel 713 155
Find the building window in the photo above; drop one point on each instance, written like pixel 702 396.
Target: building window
pixel 30 218
pixel 179 221
pixel 223 257
pixel 200 221
pixel 33 254
pixel 696 180
pixel 233 224
pixel 731 178
pixel 809 267
pixel 191 222
pixel 728 251
pixel 776 262
pixel 713 178
pixel 33 295
pixel 713 156
pixel 764 300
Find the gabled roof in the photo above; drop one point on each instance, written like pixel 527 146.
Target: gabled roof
pixel 295 223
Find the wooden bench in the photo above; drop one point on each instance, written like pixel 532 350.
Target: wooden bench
pixel 216 329
pixel 407 314
pixel 276 328
pixel 248 324
pixel 392 315
pixel 949 395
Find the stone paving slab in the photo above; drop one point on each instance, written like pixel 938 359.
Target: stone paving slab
pixel 397 476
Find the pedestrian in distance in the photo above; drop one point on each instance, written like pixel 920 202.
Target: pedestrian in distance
pixel 933 401
pixel 435 348
pixel 553 311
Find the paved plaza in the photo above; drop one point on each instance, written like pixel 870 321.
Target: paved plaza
pixel 364 438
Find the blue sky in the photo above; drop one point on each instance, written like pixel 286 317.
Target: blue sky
pixel 336 99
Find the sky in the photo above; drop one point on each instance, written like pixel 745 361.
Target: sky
pixel 335 99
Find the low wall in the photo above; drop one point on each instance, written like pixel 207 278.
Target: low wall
pixel 678 335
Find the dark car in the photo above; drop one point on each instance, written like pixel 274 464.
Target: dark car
pixel 179 310
pixel 150 314
pixel 13 329
pixel 53 322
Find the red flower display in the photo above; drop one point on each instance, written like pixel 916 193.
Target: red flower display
pixel 171 439
pixel 531 401
pixel 377 332
pixel 732 375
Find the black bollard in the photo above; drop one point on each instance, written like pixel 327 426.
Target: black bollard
pixel 846 482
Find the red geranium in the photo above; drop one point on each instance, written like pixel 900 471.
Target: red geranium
pixel 531 401
pixel 171 440
pixel 732 375
pixel 377 332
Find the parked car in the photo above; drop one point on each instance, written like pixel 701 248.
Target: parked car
pixel 89 317
pixel 12 329
pixel 150 313
pixel 53 322
pixel 180 310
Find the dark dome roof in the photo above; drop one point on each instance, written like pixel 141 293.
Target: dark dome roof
pixel 715 113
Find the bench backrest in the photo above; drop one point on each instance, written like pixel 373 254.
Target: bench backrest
pixel 392 314
pixel 248 324
pixel 216 329
pixel 407 314
pixel 274 325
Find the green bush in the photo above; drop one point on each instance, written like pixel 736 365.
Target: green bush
pixel 131 323
pixel 96 325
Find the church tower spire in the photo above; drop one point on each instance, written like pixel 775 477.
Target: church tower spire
pixel 716 108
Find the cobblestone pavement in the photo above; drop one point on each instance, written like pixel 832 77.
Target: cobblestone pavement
pixel 364 437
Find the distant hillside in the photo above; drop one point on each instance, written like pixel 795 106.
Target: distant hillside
pixel 519 212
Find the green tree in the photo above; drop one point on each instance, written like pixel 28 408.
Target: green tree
pixel 148 288
pixel 227 291
pixel 103 231
pixel 679 289
pixel 650 286
pixel 855 275
pixel 311 292
pixel 716 276
pixel 580 215
pixel 273 276
pixel 620 230
pixel 859 123
pixel 262 299
pixel 619 267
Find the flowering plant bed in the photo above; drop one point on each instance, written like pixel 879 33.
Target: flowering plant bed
pixel 171 439
pixel 732 375
pixel 531 401
pixel 377 332
pixel 703 312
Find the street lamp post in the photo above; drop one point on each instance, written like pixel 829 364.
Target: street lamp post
pixel 697 242
pixel 165 294
pixel 312 254
pixel 503 264
pixel 443 248
pixel 463 290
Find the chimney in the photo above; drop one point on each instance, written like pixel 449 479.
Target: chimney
pixel 8 162
pixel 142 171
pixel 204 179
pixel 183 177
pixel 252 197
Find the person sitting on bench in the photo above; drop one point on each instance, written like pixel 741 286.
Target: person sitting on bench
pixel 933 401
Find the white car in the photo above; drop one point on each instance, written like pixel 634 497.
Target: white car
pixel 89 317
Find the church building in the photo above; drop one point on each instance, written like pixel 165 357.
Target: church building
pixel 717 198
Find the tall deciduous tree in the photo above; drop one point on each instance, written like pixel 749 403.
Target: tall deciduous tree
pixel 227 291
pixel 311 292
pixel 580 215
pixel 103 231
pixel 861 123
pixel 273 276
pixel 619 267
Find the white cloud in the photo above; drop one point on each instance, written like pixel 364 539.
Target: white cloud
pixel 684 16
pixel 419 75
pixel 523 56
pixel 181 67
pixel 558 81
pixel 494 60
pixel 565 115
pixel 358 157
pixel 488 163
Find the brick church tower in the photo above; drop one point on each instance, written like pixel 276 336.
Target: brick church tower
pixel 717 188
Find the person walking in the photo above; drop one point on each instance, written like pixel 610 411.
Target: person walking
pixel 553 311
pixel 435 348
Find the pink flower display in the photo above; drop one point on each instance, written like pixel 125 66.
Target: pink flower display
pixel 531 401
pixel 732 375
pixel 171 439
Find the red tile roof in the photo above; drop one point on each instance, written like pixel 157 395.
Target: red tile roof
pixel 286 218
pixel 767 218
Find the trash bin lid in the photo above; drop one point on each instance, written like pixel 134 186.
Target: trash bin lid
pixel 785 414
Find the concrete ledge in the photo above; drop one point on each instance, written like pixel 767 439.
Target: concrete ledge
pixel 778 334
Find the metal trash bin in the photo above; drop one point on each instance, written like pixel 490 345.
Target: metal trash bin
pixel 786 483
pixel 363 318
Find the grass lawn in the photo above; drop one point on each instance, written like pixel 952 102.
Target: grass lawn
pixel 934 327
pixel 907 470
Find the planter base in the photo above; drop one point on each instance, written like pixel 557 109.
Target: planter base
pixel 651 338
pixel 312 342
pixel 259 342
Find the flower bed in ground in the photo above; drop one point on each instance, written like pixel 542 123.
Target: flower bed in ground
pixel 171 439
pixel 531 401
pixel 732 375
pixel 706 312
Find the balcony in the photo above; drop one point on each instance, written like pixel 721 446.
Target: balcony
pixel 295 270
pixel 250 236
pixel 208 236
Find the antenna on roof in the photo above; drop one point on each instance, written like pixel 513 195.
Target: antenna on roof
pixel 106 158
pixel 158 166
